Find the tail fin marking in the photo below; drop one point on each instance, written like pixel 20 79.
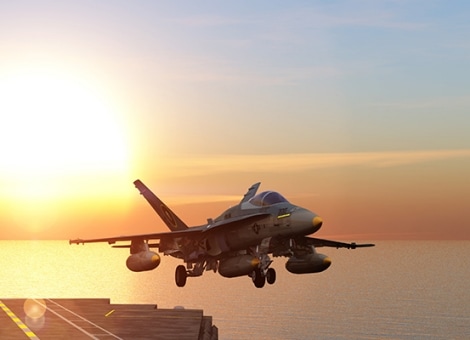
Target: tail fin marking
pixel 172 221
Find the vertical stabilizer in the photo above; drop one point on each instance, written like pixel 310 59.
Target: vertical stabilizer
pixel 250 193
pixel 171 220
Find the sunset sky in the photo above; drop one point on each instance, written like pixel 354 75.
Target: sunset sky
pixel 357 110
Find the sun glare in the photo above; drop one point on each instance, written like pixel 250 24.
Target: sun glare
pixel 52 125
pixel 60 138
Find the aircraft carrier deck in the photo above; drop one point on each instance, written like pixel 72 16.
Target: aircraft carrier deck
pixel 99 319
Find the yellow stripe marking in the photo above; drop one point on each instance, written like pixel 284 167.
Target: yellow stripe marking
pixel 282 216
pixel 18 322
pixel 109 313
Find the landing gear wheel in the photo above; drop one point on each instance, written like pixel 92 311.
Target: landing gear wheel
pixel 180 276
pixel 258 278
pixel 271 276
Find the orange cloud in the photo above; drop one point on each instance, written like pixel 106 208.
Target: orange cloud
pixel 203 165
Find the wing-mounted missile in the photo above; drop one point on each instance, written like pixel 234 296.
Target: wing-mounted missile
pixel 141 258
pixel 310 263
pixel 143 261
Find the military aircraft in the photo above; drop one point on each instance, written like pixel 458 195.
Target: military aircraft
pixel 237 243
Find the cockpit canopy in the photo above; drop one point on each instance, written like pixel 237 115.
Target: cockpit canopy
pixel 266 198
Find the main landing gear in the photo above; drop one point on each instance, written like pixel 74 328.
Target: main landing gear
pixel 259 277
pixel 263 273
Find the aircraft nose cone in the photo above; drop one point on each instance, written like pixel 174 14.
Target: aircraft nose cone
pixel 305 221
pixel 317 222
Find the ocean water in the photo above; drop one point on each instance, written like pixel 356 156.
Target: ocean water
pixel 396 290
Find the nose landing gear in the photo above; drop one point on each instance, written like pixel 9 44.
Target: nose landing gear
pixel 259 277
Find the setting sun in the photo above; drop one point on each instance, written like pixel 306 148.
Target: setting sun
pixel 60 140
pixel 54 124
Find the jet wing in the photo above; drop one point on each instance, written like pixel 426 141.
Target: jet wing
pixel 154 236
pixel 318 242
pixel 193 231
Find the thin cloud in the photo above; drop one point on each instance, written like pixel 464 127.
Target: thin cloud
pixel 205 21
pixel 330 17
pixel 426 103
pixel 205 165
pixel 198 199
pixel 237 75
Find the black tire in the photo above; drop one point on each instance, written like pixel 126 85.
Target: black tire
pixel 180 276
pixel 258 278
pixel 271 276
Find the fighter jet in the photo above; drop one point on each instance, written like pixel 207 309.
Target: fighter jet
pixel 240 242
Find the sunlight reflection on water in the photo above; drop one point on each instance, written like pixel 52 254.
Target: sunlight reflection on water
pixel 399 289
